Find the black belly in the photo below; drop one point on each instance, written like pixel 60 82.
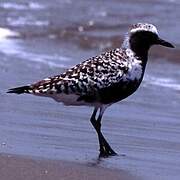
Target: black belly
pixel 112 94
pixel 117 92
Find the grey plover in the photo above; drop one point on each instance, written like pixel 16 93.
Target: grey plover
pixel 102 80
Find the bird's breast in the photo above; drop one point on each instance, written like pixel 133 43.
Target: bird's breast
pixel 118 91
pixel 134 73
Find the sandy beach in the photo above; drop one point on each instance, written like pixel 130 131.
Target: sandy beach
pixel 13 167
pixel 43 140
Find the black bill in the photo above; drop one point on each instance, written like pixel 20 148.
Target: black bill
pixel 164 43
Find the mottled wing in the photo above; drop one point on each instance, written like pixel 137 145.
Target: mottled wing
pixel 87 77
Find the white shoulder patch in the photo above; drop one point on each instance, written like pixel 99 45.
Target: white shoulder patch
pixel 134 67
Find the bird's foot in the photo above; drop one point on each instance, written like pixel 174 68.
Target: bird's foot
pixel 106 152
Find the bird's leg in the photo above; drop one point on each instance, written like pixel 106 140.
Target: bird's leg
pixel 105 148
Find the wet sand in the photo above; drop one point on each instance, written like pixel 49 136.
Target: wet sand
pixel 24 168
pixel 38 127
pixel 144 128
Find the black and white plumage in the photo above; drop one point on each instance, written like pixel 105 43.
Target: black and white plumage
pixel 102 80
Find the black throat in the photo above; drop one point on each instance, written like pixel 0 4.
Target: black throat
pixel 140 42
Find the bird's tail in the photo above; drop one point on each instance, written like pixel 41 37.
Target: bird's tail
pixel 20 90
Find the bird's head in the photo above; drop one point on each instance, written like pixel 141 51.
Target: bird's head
pixel 142 36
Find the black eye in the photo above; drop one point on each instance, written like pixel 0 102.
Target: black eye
pixel 146 35
pixel 143 39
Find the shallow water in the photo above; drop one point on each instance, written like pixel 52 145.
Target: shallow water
pixel 45 39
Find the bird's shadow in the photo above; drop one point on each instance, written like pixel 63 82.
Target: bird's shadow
pixel 97 161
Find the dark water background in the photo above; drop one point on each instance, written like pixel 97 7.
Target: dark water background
pixel 42 38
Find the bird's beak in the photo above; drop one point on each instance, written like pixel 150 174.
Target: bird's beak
pixel 164 43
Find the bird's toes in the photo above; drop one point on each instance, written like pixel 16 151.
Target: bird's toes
pixel 105 153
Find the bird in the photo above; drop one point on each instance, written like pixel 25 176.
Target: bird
pixel 102 80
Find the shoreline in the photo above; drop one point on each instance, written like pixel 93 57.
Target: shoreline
pixel 16 167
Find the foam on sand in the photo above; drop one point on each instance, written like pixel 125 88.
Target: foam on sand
pixel 22 6
pixel 163 82
pixel 5 33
